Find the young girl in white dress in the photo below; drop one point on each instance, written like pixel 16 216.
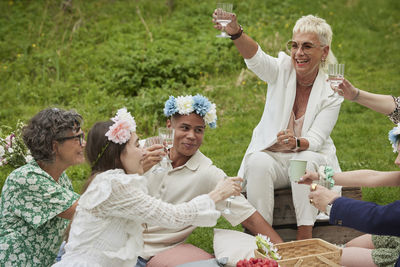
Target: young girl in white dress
pixel 107 227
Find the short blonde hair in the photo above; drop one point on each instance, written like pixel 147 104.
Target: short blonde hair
pixel 314 24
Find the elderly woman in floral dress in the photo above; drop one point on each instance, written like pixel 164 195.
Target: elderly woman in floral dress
pixel 108 224
pixel 37 199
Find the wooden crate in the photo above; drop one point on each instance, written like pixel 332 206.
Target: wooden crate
pixel 310 252
pixel 284 210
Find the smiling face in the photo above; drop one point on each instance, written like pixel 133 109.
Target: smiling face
pixel 189 133
pixel 307 64
pixel 132 156
pixel 70 152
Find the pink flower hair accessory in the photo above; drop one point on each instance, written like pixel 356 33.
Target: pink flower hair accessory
pixel 124 124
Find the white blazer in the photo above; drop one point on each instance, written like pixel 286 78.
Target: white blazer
pixel 321 113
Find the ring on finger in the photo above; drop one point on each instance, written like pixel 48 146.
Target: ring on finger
pixel 313 187
pixel 311 201
pixel 286 141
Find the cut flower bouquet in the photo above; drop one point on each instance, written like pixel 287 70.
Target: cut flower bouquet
pixel 13 151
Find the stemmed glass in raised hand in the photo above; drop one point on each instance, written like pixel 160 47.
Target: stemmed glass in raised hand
pixel 227 209
pixel 153 141
pixel 223 17
pixel 167 135
pixel 336 76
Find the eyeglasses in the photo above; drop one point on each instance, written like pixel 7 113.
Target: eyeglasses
pixel 80 137
pixel 307 47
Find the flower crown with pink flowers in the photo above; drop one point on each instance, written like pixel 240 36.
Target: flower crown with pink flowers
pixel 124 124
pixel 120 131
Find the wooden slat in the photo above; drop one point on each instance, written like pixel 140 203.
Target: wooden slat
pixel 331 233
pixel 284 210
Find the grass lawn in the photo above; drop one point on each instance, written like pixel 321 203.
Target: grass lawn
pixel 99 55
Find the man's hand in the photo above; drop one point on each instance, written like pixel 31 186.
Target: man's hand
pixel 153 156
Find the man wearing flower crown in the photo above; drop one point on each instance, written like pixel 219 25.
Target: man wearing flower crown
pixel 191 174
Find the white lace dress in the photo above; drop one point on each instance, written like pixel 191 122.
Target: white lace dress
pixel 107 226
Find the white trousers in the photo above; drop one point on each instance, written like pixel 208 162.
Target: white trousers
pixel 266 171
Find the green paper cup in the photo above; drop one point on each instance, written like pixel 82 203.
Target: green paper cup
pixel 297 169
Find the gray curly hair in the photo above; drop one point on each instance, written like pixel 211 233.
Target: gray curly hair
pixel 46 127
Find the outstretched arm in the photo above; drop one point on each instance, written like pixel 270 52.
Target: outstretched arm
pixel 368 178
pixel 380 103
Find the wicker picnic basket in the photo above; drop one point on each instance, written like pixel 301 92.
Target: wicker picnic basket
pixel 310 252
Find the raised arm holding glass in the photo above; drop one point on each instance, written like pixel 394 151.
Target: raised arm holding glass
pixel 299 115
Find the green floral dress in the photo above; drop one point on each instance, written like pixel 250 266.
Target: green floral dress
pixel 30 231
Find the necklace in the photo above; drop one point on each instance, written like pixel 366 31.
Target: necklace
pixel 304 84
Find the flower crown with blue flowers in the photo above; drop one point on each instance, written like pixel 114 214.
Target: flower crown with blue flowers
pixel 184 105
pixel 394 137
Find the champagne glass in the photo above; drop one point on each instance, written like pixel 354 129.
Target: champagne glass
pixel 223 17
pixel 167 135
pixel 153 141
pixel 336 75
pixel 228 201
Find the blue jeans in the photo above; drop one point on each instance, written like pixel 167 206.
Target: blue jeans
pixel 141 262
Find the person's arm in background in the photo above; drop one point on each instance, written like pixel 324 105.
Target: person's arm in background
pixel 256 224
pixel 384 104
pixel 367 178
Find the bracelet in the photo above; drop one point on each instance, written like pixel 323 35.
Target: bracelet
pixel 355 98
pixel 325 174
pixel 237 35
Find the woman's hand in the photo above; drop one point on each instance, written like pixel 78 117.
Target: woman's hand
pixel 226 188
pixel 346 89
pixel 309 177
pixel 232 28
pixel 285 142
pixel 321 196
pixel 152 156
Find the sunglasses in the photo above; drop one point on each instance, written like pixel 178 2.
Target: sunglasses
pixel 80 137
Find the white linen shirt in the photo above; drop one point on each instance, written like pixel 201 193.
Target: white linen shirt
pixel 107 226
pixel 321 113
pixel 198 176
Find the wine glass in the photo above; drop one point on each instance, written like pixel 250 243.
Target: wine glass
pixel 336 75
pixel 228 201
pixel 167 135
pixel 153 141
pixel 223 17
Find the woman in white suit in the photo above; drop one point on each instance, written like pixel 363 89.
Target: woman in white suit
pixel 299 115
